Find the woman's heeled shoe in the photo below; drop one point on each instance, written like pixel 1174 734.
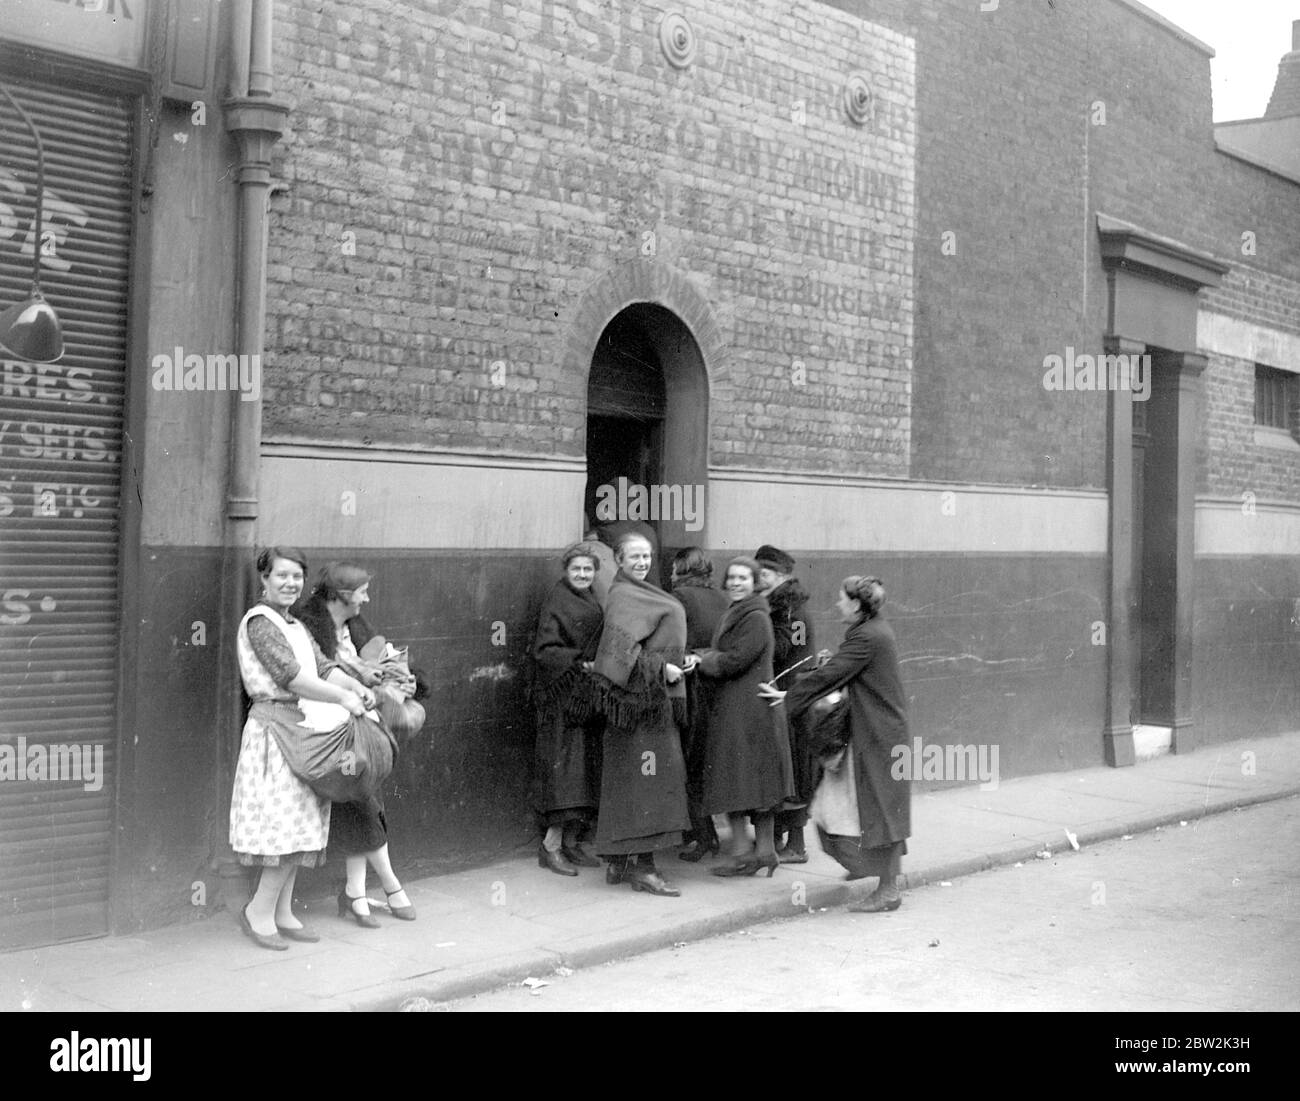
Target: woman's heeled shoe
pixel 771 862
pixel 555 861
pixel 347 908
pixel 402 913
pixel 272 941
pixel 649 880
pixel 303 933
pixel 743 867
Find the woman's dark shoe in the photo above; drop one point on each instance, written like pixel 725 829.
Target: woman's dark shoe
pixel 555 861
pixel 790 855
pixel 402 913
pixel 303 933
pixel 615 872
pixel 695 852
pixel 881 900
pixel 744 866
pixel 348 908
pixel 274 941
pixel 579 857
pixel 771 862
pixel 649 879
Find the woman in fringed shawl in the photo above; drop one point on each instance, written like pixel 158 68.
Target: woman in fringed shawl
pixel 747 769
pixel 568 733
pixel 863 812
pixel 640 690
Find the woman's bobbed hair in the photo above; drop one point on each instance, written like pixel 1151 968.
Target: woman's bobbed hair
pixel 337 578
pixel 267 558
pixel 692 562
pixel 751 564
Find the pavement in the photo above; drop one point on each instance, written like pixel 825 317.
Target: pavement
pixel 491 926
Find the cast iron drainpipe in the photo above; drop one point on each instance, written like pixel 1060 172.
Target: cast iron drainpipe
pixel 257 122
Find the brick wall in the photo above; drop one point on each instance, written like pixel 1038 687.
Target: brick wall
pixel 493 160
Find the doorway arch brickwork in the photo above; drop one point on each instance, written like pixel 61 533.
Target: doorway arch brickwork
pixel 693 356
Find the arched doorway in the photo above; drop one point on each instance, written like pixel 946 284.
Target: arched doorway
pixel 647 429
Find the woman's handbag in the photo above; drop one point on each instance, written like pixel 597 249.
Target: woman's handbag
pixel 828 721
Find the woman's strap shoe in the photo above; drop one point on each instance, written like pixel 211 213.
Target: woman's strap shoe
pixel 647 879
pixel 555 861
pixel 273 941
pixel 402 913
pixel 347 908
pixel 303 933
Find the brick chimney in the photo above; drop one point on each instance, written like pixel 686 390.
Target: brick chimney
pixel 1286 91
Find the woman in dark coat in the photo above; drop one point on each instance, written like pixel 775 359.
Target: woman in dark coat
pixel 332 615
pixel 705 605
pixel 640 689
pixel 867 665
pixel 792 630
pixel 568 735
pixel 748 754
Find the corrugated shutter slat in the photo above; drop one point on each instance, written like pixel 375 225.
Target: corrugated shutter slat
pixel 60 477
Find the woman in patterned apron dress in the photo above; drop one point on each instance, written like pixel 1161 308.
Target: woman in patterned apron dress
pixel 276 821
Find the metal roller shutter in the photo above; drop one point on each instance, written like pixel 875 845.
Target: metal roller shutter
pixel 60 449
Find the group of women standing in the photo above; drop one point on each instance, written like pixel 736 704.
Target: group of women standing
pixel 291 655
pixel 659 711
pixel 656 712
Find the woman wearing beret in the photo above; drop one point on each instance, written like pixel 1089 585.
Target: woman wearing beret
pixel 357 830
pixel 568 733
pixel 747 770
pixel 873 823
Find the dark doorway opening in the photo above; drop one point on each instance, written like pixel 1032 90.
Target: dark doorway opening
pixel 647 423
pixel 1155 554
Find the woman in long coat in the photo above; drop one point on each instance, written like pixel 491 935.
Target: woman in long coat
pixel 705 605
pixel 867 665
pixel 568 735
pixel 640 690
pixel 747 770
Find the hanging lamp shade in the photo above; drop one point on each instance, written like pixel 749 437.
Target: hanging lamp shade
pixel 30 330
